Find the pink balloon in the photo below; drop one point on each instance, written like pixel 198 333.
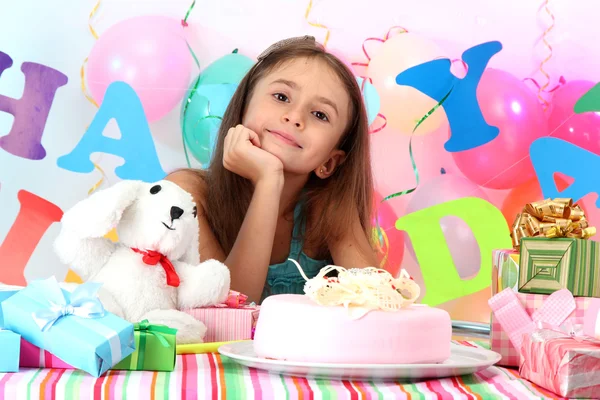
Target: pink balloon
pixel 582 130
pixel 460 240
pixel 507 103
pixel 150 54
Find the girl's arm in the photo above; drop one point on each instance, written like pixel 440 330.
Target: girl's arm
pixel 250 256
pixel 353 250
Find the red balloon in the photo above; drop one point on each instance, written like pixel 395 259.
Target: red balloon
pixel 507 103
pixel 392 251
pixel 582 130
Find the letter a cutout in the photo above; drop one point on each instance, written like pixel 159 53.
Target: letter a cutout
pixel 135 146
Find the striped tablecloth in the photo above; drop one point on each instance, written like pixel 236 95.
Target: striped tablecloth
pixel 211 376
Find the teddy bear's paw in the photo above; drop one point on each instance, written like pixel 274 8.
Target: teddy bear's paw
pixel 203 285
pixel 189 329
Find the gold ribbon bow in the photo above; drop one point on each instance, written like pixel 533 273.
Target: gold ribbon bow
pixel 551 218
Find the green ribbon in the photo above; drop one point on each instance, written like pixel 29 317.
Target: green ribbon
pixel 145 328
pixel 412 161
pixel 187 14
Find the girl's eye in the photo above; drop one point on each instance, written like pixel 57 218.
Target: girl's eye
pixel 321 115
pixel 280 97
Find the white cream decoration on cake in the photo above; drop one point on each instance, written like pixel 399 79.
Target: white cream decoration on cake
pixel 361 290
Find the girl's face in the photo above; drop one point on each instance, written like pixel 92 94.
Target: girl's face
pixel 300 112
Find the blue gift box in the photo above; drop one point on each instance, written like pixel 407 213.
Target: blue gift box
pixel 10 343
pixel 71 325
pixel 5 292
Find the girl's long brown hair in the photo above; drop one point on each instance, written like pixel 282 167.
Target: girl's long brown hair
pixel 350 187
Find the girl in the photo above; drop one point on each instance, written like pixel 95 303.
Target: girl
pixel 290 176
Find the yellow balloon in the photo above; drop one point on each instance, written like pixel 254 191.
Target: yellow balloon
pixel 404 106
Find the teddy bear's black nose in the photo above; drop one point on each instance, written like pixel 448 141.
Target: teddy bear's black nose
pixel 176 212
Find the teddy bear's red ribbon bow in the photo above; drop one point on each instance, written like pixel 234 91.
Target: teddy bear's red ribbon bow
pixel 152 257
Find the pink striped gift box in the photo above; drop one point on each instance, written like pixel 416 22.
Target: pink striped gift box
pixel 499 340
pixel 34 357
pixel 565 365
pixel 224 323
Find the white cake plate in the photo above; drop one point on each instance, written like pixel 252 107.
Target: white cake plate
pixel 463 360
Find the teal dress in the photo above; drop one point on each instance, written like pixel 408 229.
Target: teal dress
pixel 285 278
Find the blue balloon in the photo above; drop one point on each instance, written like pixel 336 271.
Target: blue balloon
pixel 201 118
pixel 230 68
pixel 206 101
pixel 371 99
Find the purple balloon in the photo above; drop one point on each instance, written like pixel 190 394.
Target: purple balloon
pixel 460 240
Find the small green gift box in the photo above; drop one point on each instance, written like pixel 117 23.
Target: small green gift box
pixel 155 349
pixel 547 265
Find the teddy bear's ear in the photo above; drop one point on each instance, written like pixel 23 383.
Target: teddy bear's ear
pixel 98 214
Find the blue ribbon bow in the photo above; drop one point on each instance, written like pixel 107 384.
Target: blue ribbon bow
pixel 83 302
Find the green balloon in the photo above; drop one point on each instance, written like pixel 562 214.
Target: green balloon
pixel 227 69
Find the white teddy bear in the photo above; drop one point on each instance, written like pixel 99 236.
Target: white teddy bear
pixel 155 269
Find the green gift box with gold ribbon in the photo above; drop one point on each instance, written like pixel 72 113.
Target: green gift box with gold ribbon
pixel 155 349
pixel 548 265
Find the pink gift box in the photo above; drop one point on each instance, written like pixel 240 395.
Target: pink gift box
pixel 567 366
pixel 591 320
pixel 34 357
pixel 499 340
pixel 225 324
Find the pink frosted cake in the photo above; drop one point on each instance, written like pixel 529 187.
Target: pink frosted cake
pixel 313 328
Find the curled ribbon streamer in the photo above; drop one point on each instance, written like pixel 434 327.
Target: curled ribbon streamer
pixel 412 159
pixel 380 115
pixel 188 100
pixel 382 127
pixel 386 37
pixel 316 25
pixel 551 218
pixel 187 14
pixel 97 184
pixel 549 47
pixel 361 290
pixel 90 19
pixel 561 81
pixel 83 87
pixel 382 236
pixel 366 53
pixel 88 96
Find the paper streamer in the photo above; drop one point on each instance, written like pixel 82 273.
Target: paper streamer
pixel 187 14
pixel 89 97
pixel 543 87
pixel 365 65
pixel 316 25
pixel 188 100
pixel 380 234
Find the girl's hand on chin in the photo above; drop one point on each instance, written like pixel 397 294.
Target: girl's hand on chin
pixel 243 155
